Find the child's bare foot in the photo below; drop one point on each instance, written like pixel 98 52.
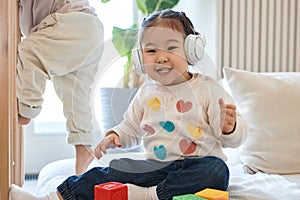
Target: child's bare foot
pixel 23 120
pixel 84 156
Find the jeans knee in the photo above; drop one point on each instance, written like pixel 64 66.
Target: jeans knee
pixel 218 162
pixel 220 170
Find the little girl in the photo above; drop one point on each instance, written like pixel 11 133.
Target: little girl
pixel 177 118
pixel 63 43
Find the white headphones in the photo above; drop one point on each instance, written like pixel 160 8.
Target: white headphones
pixel 193 47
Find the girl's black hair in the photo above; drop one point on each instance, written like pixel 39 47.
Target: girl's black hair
pixel 172 16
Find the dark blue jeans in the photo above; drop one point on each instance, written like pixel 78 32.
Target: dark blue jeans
pixel 174 178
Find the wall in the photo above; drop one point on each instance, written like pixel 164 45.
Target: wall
pixel 203 14
pixel 259 36
pixel 40 149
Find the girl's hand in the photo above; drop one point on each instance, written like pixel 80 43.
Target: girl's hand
pixel 228 117
pixel 110 141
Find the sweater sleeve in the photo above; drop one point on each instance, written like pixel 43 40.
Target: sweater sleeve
pixel 214 111
pixel 239 135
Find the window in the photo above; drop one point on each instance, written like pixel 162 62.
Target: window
pixel 114 13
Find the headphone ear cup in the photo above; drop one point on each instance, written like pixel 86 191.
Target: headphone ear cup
pixel 138 61
pixel 194 48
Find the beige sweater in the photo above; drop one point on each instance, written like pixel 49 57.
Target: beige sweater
pixel 183 120
pixel 32 12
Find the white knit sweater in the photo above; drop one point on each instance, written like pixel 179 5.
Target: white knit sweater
pixel 179 121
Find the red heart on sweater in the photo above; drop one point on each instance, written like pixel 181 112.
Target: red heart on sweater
pixel 187 147
pixel 183 107
pixel 149 129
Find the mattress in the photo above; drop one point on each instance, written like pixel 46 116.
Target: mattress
pixel 259 186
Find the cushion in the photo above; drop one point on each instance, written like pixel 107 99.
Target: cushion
pixel 114 103
pixel 270 103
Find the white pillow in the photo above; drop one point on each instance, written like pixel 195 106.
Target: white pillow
pixel 270 103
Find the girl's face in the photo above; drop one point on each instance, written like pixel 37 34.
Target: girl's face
pixel 163 55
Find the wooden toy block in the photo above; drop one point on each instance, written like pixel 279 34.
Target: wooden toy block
pixel 213 194
pixel 187 197
pixel 111 191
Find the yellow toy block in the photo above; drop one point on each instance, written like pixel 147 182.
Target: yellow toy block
pixel 212 194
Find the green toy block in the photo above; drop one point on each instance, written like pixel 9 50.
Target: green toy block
pixel 187 197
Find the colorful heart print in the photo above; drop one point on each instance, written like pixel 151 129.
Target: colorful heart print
pixel 167 125
pixel 149 129
pixel 183 107
pixel 160 152
pixel 154 104
pixel 194 131
pixel 187 147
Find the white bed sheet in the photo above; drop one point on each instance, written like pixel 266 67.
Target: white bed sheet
pixel 242 186
pixel 261 186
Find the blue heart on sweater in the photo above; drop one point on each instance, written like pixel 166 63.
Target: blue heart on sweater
pixel 167 125
pixel 160 152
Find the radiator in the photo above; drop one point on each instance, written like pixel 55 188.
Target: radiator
pixel 259 35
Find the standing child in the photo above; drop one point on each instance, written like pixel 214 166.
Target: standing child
pixel 176 116
pixel 62 42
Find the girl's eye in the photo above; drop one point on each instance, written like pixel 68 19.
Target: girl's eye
pixel 150 51
pixel 171 48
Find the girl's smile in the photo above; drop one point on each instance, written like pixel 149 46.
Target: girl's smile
pixel 164 71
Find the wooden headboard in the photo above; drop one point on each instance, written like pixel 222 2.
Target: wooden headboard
pixel 259 35
pixel 11 141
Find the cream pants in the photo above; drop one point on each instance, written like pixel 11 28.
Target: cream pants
pixel 67 49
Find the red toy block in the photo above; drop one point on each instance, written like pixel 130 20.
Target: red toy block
pixel 111 191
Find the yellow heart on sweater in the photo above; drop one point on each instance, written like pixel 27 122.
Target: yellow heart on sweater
pixel 194 131
pixel 154 104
